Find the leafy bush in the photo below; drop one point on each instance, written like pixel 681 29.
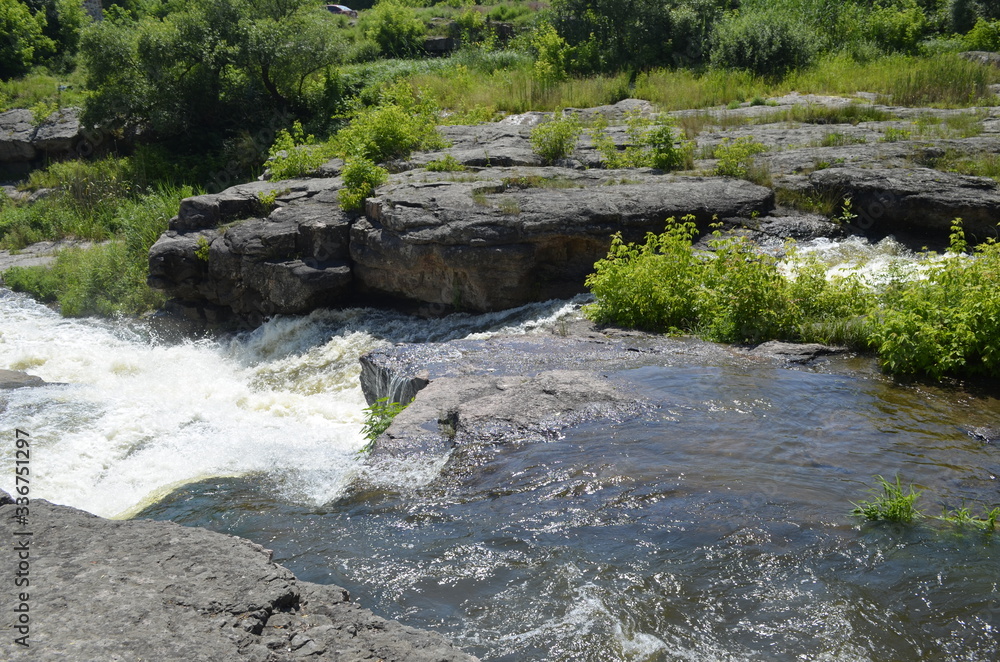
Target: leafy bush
pixel 767 43
pixel 552 51
pixel 736 156
pixel 361 177
pixel 294 154
pixel 23 42
pixel 556 138
pixel 946 322
pixel 394 129
pixel 394 26
pixel 651 144
pixel 984 36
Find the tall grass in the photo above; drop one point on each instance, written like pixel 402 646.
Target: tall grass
pixel 110 278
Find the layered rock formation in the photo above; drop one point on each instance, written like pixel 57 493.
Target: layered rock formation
pixel 142 590
pixel 508 230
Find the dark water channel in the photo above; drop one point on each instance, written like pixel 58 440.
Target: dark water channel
pixel 714 528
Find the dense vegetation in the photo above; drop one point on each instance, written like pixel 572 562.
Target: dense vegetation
pixel 205 93
pixel 941 320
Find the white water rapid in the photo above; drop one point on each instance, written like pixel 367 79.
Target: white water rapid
pixel 132 416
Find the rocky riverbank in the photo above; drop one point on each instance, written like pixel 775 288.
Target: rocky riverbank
pixel 508 230
pixel 140 590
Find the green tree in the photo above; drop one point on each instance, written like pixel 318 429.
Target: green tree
pixel 214 67
pixel 22 38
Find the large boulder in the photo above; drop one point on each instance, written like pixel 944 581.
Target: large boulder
pixel 909 201
pixel 524 234
pixel 142 590
pixel 23 140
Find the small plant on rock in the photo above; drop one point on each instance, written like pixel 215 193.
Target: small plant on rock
pixel 736 156
pixel 378 418
pixel 556 139
pixel 361 176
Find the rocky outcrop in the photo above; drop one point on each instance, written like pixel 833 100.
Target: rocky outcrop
pixel 480 241
pixel 524 235
pixel 16 379
pixel 291 259
pixel 142 590
pixel 507 230
pixel 911 201
pixel 23 140
pixel 532 387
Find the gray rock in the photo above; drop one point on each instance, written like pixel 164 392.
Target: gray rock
pixel 16 133
pixel 794 352
pixel 59 132
pixel 985 58
pixel 143 590
pixel 16 379
pixel 491 244
pixel 914 200
pixel 293 261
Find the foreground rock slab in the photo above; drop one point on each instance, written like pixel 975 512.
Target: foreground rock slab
pixel 141 590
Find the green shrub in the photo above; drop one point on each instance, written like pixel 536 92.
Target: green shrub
pixel 556 138
pixel 984 36
pixel 295 154
pixel 23 42
pixel 766 43
pixel 394 26
pixel 361 176
pixel 736 156
pixel 552 52
pixel 394 129
pixel 446 164
pixel 652 143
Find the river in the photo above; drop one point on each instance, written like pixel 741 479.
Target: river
pixel 714 526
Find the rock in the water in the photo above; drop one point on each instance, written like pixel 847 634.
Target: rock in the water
pixel 143 590
pixel 17 379
pixel 795 352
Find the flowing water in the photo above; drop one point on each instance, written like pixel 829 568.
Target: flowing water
pixel 714 526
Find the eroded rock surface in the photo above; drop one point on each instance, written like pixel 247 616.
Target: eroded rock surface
pixel 22 139
pixel 508 231
pixel 142 590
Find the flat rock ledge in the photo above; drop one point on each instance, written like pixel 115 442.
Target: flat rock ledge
pixel 143 590
pixel 511 389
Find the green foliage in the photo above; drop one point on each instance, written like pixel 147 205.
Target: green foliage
pixel 203 249
pixel 984 36
pixel 208 67
pixel 446 164
pixel 736 156
pixel 401 124
pixel 394 26
pixel 766 43
pixel 945 323
pixel 893 134
pixel 294 154
pixel 107 279
pixel 556 138
pixel 361 177
pixel 552 51
pixel 652 143
pixel 890 502
pixel 378 418
pixel 617 34
pixel 23 42
pixel 945 79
